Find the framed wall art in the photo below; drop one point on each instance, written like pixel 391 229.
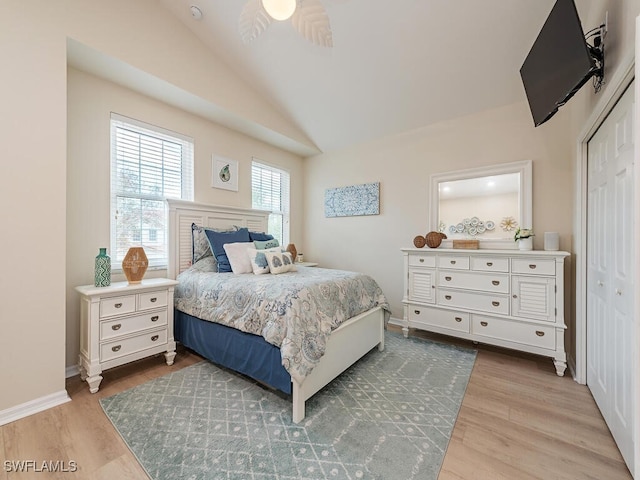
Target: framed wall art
pixel 352 200
pixel 224 173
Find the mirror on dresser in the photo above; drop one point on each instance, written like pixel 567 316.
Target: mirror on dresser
pixel 484 203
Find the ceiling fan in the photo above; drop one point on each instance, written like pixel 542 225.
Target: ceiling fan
pixel 308 17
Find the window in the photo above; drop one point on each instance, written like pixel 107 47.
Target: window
pixel 148 165
pixel 270 191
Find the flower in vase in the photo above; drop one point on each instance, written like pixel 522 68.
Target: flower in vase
pixel 523 233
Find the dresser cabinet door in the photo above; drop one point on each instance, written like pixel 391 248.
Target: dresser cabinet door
pixel 533 297
pixel 422 285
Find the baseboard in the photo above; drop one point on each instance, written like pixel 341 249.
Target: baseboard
pixel 33 406
pixel 398 322
pixel 71 371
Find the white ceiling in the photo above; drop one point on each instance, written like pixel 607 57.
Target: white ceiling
pixel 395 65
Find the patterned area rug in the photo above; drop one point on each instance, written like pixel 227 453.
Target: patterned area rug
pixel 390 416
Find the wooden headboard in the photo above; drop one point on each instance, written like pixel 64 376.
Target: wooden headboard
pixel 182 214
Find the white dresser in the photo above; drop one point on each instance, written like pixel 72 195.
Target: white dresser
pixel 122 323
pixel 509 298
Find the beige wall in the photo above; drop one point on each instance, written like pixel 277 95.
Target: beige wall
pixel 90 100
pixel 33 41
pixel 403 164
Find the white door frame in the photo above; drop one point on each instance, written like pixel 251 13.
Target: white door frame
pixel 617 85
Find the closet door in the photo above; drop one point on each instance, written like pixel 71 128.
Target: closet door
pixel 610 327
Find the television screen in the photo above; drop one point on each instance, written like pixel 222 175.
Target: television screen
pixel 558 64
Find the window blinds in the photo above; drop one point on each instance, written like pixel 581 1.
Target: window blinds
pixel 148 165
pixel 270 191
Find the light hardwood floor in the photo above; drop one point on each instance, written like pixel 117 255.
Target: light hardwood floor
pixel 518 421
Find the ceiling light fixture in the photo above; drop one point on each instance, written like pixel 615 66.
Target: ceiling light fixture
pixel 308 17
pixel 279 9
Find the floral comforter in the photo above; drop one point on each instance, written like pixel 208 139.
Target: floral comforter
pixel 295 311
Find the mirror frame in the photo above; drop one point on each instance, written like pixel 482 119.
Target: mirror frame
pixel 524 168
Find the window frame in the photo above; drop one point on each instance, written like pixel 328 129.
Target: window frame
pixel 285 197
pixel 186 184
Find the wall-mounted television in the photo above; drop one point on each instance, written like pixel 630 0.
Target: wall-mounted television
pixel 559 63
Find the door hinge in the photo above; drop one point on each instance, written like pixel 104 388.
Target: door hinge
pixel 556 309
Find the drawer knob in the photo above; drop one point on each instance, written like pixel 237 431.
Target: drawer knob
pixel 458 319
pixel 447 297
pixel 453 262
pixel 495 282
pixel 417 312
pixel 153 300
pixel 116 327
pixel 539 333
pixel 154 338
pixel 448 279
pixel 116 348
pixel 495 304
pixel 422 260
pixel 489 264
pixel 155 318
pixel 515 296
pixel 118 305
pixel 532 266
pixel 484 324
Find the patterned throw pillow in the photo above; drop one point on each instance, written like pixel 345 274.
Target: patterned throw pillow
pixel 280 262
pixel 258 259
pixel 264 244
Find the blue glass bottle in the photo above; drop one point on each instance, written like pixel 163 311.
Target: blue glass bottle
pixel 103 269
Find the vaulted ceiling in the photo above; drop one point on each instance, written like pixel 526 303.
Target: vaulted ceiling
pixel 395 65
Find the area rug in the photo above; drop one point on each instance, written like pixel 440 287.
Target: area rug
pixel 390 416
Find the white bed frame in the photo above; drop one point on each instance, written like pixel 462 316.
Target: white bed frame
pixel 346 345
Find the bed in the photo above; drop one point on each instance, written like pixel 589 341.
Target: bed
pixel 262 352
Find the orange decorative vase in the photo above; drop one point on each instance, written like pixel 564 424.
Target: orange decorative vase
pixel 135 264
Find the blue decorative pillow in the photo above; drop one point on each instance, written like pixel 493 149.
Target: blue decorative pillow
pixel 200 247
pixel 260 236
pixel 264 244
pixel 217 241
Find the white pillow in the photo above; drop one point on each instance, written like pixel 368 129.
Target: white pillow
pixel 280 262
pixel 258 259
pixel 238 257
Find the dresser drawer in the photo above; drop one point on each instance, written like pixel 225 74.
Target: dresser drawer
pixel 512 331
pixel 490 264
pixel 417 260
pixel 485 302
pixel 487 282
pixel 439 318
pixel 533 266
pixel 120 348
pixel 110 329
pixel 117 305
pixel 458 262
pixel 152 300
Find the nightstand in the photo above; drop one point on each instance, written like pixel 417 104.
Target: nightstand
pixel 307 264
pixel 122 323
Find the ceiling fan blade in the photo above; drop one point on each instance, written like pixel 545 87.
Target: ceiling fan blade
pixel 253 21
pixel 312 22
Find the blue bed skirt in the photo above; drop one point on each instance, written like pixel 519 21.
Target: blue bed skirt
pixel 242 352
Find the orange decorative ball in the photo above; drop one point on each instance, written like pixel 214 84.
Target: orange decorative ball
pixel 434 239
pixel 419 241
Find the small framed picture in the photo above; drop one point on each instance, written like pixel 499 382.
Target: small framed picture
pixel 224 173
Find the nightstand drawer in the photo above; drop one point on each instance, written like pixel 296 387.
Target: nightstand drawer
pixel 117 305
pixel 123 326
pixel 152 300
pixel 111 350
